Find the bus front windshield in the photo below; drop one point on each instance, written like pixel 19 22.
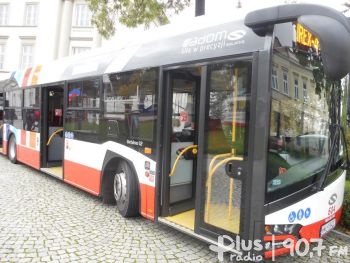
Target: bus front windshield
pixel 304 108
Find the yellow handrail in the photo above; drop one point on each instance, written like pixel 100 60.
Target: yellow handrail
pixel 216 157
pixel 1 126
pixel 53 135
pixel 230 156
pixel 211 173
pixel 179 156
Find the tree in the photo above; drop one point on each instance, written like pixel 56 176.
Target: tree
pixel 132 13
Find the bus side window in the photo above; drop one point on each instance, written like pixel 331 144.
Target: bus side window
pixel 130 105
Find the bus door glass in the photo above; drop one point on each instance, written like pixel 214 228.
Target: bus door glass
pixel 225 149
pixel 185 85
pixel 1 116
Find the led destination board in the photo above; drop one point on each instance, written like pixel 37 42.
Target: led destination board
pixel 306 38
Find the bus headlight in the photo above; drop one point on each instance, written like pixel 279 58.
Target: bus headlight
pixel 291 229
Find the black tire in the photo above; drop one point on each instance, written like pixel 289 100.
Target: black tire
pixel 107 187
pixel 126 190
pixel 12 149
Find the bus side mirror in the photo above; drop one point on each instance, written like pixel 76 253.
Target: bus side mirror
pixel 332 37
pixel 331 27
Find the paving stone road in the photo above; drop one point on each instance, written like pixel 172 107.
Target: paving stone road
pixel 45 220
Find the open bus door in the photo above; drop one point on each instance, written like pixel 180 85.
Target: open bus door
pixel 52 130
pixel 206 181
pixel 1 118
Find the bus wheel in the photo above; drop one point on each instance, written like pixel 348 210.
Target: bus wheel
pixel 12 149
pixel 125 190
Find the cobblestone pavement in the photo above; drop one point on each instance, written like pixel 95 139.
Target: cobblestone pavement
pixel 45 220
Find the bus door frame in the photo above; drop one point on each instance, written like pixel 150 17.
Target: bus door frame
pixel 44 89
pixel 164 141
pixel 254 228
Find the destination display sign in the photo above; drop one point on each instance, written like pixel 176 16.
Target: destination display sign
pixel 305 38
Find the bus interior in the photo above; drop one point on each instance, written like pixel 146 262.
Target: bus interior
pixel 52 130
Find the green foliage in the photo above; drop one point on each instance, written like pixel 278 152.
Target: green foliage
pixel 132 13
pixel 345 220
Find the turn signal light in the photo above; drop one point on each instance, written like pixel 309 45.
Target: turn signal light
pixel 148 150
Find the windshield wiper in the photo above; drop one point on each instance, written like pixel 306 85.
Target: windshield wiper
pixel 338 130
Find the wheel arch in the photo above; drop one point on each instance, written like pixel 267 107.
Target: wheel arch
pixel 9 135
pixel 111 161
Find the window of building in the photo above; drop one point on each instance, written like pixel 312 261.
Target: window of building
pixel 285 82
pixel 304 91
pixel 4 14
pixel 274 79
pixel 31 14
pixel 77 50
pixel 2 55
pixel 82 16
pixel 14 99
pixel 296 88
pixel 31 98
pixel 27 55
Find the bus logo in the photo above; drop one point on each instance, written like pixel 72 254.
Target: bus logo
pixel 332 199
pixel 213 41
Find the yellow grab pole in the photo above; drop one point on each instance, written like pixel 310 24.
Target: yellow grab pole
pixel 179 156
pixel 53 135
pixel 234 120
pixel 234 110
pixel 215 158
pixel 230 198
pixel 211 173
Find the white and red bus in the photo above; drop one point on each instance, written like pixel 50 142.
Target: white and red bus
pixel 224 129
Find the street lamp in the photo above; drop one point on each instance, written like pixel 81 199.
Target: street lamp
pixel 200 7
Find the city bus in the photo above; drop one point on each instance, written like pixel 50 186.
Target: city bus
pixel 2 81
pixel 1 116
pixel 217 129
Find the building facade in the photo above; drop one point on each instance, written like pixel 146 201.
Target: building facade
pixel 38 31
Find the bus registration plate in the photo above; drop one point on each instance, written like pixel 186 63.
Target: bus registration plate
pixel 327 227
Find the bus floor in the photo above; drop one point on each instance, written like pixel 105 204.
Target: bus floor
pixel 219 216
pixel 185 219
pixel 54 171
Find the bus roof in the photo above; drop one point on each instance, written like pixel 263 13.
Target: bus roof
pixel 166 46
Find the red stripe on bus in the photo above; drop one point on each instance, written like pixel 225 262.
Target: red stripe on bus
pixel 279 251
pixel 82 176
pixel 28 156
pixel 308 232
pixel 4 147
pixel 147 201
pixel 26 77
pixel 23 137
pixel 313 230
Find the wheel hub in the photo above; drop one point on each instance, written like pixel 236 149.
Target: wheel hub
pixel 120 187
pixel 12 149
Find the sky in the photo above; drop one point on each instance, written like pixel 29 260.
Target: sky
pixel 223 10
pixel 218 8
